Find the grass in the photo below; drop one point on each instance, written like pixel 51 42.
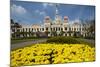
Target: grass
pixel 81 40
pixel 72 40
pixel 20 40
pixel 87 41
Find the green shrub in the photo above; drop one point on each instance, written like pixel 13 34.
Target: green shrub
pixel 68 40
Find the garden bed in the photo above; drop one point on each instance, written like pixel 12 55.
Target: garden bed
pixel 52 54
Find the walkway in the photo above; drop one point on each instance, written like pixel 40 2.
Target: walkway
pixel 28 43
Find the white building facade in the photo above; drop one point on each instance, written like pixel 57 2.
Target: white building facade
pixel 56 27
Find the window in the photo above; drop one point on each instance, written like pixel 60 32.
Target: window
pixel 29 29
pixel 61 28
pixel 26 29
pixel 80 29
pixel 56 28
pixel 51 29
pixel 65 28
pixel 37 29
pixel 74 29
pixel 13 30
pixel 23 29
pixel 77 29
pixel 46 28
pixel 42 29
pixel 32 29
pixel 69 29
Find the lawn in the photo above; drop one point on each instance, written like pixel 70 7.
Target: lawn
pixel 20 40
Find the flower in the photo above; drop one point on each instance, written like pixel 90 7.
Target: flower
pixel 52 53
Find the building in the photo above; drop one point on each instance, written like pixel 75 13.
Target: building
pixel 56 27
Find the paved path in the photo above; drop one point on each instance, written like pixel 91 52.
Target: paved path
pixel 23 44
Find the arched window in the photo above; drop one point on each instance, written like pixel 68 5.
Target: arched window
pixel 69 29
pixel 23 30
pixel 37 29
pixel 29 30
pixel 74 29
pixel 59 28
pixel 26 29
pixel 42 29
pixel 46 28
pixel 77 29
pixel 65 28
pixel 62 29
pixel 51 29
pixel 54 29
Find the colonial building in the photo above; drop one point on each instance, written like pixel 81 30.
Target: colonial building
pixel 56 27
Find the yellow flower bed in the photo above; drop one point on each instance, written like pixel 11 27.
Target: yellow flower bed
pixel 52 54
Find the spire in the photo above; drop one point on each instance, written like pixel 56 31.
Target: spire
pixel 56 9
pixel 57 16
pixel 56 13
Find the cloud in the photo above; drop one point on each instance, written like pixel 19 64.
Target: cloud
pixel 18 9
pixel 50 4
pixel 45 5
pixel 43 13
pixel 40 13
pixel 75 20
pixel 21 15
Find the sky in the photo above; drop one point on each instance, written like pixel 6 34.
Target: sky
pixel 25 12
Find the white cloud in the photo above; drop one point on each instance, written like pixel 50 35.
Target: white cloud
pixel 47 4
pixel 75 20
pixel 43 13
pixel 50 4
pixel 18 9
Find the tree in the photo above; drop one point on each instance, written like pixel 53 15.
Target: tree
pixel 77 34
pixel 61 33
pixel 54 33
pixel 12 22
pixel 38 33
pixel 47 32
pixel 17 25
pixel 90 28
pixel 14 28
pixel 70 32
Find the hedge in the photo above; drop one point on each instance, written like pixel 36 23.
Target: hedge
pixel 68 40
